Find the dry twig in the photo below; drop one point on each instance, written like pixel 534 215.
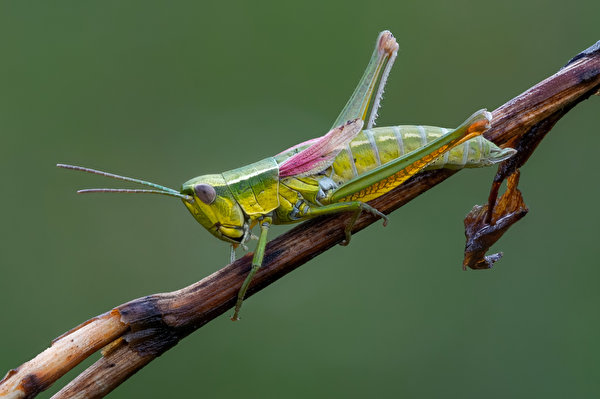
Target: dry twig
pixel 135 333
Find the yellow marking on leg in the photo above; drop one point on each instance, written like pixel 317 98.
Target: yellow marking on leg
pixel 393 181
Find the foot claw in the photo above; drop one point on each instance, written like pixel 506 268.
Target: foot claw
pixel 384 218
pixel 375 212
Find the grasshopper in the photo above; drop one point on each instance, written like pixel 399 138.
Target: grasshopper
pixel 337 172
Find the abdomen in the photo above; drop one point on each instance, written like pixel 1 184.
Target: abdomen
pixel 378 146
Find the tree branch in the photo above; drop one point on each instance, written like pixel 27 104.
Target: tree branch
pixel 135 333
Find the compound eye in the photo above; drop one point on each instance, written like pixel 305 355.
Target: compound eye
pixel 206 193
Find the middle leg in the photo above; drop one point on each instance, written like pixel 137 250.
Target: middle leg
pixel 357 207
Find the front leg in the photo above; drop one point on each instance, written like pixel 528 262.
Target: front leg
pixel 257 260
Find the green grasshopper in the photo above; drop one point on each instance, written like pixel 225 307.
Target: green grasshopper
pixel 338 172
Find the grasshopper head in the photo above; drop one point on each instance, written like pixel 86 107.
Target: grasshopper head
pixel 207 197
pixel 215 208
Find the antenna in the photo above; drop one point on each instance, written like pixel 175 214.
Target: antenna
pixel 159 189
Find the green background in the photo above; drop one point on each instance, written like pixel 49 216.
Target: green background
pixel 170 90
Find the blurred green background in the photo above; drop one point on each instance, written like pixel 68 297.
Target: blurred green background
pixel 170 90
